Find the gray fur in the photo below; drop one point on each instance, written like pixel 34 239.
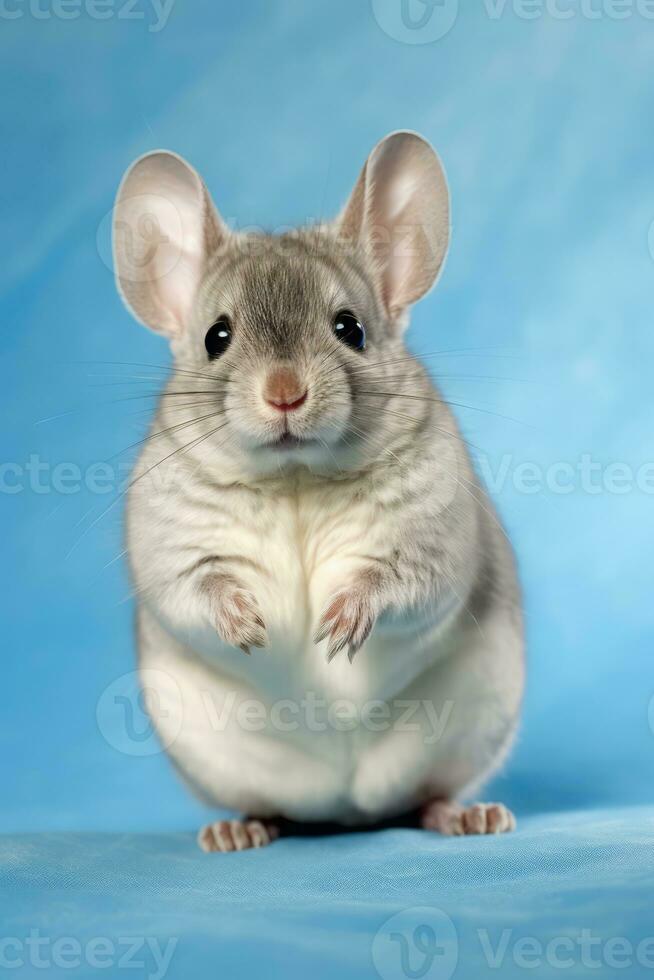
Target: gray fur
pixel 234 543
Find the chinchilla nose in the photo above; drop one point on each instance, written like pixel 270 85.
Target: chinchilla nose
pixel 284 390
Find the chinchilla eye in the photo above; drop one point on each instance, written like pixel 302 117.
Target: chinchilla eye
pixel 349 329
pixel 218 338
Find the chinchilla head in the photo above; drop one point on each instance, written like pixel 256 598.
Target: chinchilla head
pixel 287 348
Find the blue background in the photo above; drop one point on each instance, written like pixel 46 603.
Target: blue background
pixel 545 129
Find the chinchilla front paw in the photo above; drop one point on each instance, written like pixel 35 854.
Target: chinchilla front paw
pixel 347 620
pixel 235 614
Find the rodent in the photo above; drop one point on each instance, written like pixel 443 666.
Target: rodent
pixel 305 497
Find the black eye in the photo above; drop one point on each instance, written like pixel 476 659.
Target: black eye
pixel 218 338
pixel 350 330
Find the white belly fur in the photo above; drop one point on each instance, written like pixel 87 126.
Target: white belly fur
pixel 285 733
pixel 241 729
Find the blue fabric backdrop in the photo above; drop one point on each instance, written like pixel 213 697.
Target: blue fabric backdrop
pixel 542 115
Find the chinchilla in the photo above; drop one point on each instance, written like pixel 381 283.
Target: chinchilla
pixel 329 620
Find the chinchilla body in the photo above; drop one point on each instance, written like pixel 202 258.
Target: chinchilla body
pixel 329 622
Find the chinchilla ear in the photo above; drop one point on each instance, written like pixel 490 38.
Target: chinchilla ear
pixel 399 214
pixel 164 227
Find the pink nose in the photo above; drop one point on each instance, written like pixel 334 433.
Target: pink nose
pixel 283 390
